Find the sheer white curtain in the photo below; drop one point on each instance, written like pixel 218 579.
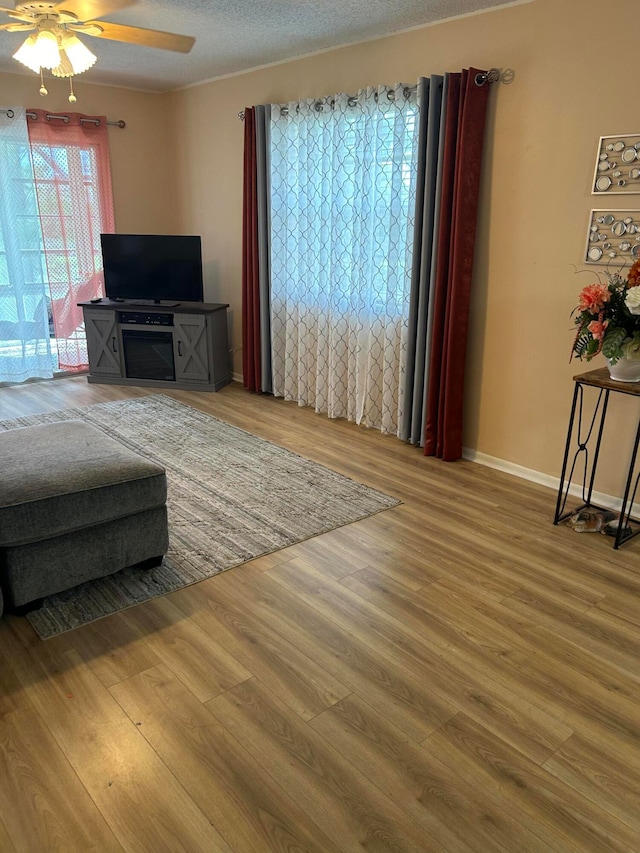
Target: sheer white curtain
pixel 25 344
pixel 342 180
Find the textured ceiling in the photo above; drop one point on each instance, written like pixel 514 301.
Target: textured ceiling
pixel 237 35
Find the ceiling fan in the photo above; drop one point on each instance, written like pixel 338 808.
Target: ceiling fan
pixel 54 43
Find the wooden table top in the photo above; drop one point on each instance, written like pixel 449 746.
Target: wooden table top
pixel 600 379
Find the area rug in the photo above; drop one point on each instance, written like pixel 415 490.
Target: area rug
pixel 231 497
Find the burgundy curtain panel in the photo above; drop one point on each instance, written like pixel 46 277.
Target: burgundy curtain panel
pixel 465 114
pixel 251 360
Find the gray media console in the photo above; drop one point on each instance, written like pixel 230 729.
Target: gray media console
pixel 178 346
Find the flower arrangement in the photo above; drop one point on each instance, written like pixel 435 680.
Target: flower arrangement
pixel 607 318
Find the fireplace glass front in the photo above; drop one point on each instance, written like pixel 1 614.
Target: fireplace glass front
pixel 148 355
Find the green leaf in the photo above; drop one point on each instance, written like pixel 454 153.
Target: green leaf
pixel 612 344
pixel 593 348
pixel 586 346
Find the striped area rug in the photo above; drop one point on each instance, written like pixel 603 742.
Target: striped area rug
pixel 231 497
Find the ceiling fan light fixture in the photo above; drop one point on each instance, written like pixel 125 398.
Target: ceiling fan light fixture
pixel 65 68
pixel 79 55
pixel 46 49
pixel 26 54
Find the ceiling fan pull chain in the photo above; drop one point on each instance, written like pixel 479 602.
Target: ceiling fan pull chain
pixel 43 89
pixel 72 97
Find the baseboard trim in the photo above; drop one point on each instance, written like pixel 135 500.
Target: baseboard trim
pixel 598 498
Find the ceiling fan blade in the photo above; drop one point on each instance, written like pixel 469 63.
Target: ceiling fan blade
pixel 19 16
pixel 144 37
pixel 16 28
pixel 85 10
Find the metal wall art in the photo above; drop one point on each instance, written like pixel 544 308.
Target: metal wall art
pixel 618 164
pixel 613 238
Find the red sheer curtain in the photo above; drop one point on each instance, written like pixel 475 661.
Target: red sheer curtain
pixel 462 156
pixel 75 200
pixel 251 361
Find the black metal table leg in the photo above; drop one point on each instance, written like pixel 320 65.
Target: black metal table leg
pixel 600 378
pixel 582 450
pixel 627 501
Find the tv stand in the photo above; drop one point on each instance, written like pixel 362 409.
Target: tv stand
pixel 182 345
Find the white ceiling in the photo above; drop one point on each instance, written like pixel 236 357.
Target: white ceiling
pixel 237 35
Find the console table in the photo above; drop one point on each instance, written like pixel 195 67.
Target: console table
pixel 586 434
pixel 174 346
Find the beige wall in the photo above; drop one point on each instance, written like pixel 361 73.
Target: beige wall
pixel 140 169
pixel 573 84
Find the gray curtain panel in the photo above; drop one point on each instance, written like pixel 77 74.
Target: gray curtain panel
pixel 428 185
pixel 263 119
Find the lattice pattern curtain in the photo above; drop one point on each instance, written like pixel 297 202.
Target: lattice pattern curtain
pixel 342 202
pixel 75 199
pixel 25 343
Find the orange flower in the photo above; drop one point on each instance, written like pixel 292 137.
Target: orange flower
pixel 634 275
pixel 598 328
pixel 593 297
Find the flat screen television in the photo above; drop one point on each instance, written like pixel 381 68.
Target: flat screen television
pixel 152 268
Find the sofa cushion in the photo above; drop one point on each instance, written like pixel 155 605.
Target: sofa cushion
pixel 38 569
pixel 65 476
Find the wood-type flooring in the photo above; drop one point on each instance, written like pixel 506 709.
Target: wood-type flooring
pixel 454 675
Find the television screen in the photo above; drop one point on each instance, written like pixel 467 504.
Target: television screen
pixel 153 267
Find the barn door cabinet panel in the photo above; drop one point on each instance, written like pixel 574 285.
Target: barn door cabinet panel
pixel 103 346
pixel 190 348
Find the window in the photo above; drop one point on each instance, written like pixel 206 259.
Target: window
pixel 342 179
pixel 55 201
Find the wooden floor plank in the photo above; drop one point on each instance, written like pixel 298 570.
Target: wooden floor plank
pixel 270 560
pixel 282 666
pixel 386 555
pixel 113 649
pixel 535 733
pixel 44 804
pixel 623 606
pixel 355 814
pixel 499 580
pixel 205 666
pixel 517 655
pixel 392 691
pixel 589 567
pixel 327 549
pixel 602 633
pixel 555 811
pixel 141 801
pixel 602 778
pixel 454 813
pixel 6 842
pixel 249 809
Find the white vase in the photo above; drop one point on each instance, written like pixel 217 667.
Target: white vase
pixel 625 370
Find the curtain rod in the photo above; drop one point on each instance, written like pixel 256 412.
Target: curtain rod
pixel 352 101
pixel 122 124
pixel 493 75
